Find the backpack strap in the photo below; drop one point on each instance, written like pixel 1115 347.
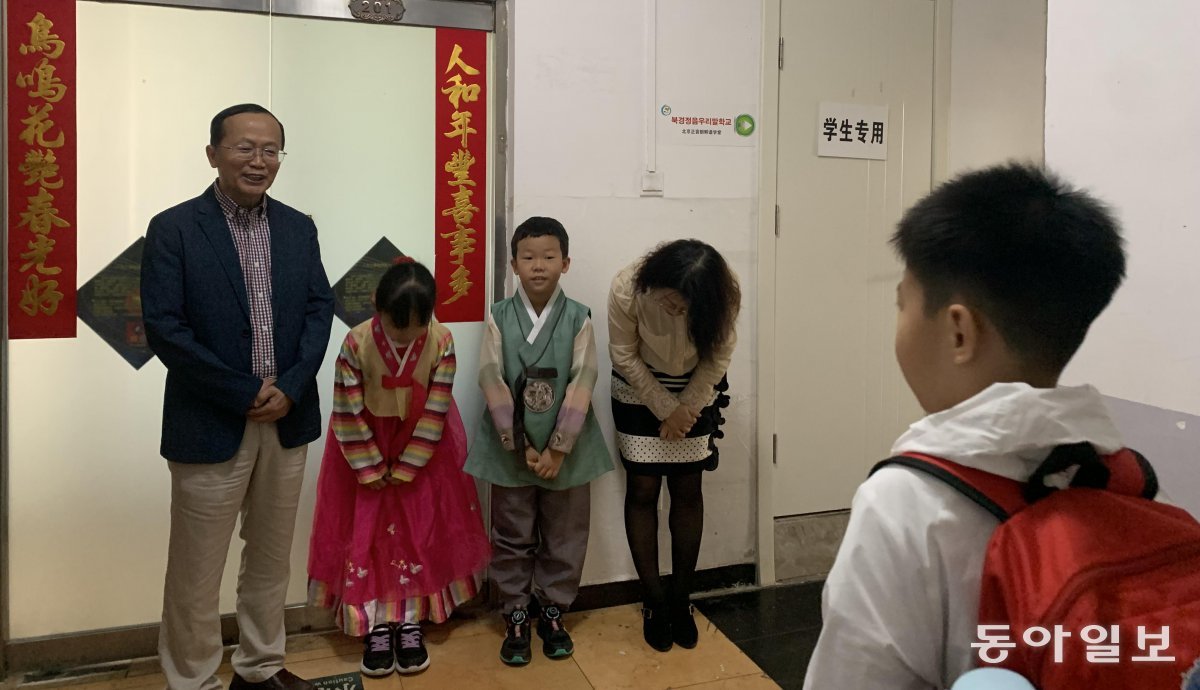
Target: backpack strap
pixel 1130 473
pixel 1125 472
pixel 1092 470
pixel 998 495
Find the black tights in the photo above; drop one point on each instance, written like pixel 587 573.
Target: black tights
pixel 686 522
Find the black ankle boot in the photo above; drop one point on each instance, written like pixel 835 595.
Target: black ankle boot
pixel 656 627
pixel 683 625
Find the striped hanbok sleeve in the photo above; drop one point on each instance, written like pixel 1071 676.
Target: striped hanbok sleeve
pixel 578 397
pixel 496 393
pixel 351 429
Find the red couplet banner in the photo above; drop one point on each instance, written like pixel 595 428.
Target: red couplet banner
pixel 460 220
pixel 42 177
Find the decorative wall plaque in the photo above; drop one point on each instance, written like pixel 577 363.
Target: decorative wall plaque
pixel 352 294
pixel 111 305
pixel 377 10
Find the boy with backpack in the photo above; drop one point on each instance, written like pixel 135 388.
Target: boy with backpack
pixel 960 548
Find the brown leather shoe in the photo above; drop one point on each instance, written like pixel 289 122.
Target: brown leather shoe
pixel 283 680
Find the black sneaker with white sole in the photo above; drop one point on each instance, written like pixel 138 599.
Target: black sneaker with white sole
pixel 378 659
pixel 516 648
pixel 411 656
pixel 556 641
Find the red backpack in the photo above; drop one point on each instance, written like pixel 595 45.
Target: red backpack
pixel 1095 586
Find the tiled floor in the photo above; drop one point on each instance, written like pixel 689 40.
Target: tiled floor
pixel 609 654
pixel 776 627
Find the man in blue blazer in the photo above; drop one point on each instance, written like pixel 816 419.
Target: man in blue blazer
pixel 238 307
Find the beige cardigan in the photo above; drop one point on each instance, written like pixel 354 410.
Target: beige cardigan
pixel 641 333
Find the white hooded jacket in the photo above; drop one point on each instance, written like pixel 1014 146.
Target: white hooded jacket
pixel 900 606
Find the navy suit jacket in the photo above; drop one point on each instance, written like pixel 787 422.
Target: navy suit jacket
pixel 198 323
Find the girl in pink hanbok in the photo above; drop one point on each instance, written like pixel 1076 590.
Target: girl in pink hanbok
pixel 397 533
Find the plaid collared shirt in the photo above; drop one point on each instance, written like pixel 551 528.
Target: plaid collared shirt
pixel 252 237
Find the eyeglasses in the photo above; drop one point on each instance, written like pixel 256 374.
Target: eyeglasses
pixel 246 153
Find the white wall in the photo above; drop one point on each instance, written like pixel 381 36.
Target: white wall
pixel 1123 119
pixel 580 148
pixel 89 492
pixel 997 82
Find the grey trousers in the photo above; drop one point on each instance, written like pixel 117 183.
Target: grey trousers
pixel 539 540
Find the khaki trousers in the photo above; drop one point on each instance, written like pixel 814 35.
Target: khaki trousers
pixel 261 483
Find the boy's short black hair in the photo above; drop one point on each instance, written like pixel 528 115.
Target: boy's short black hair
pixel 406 288
pixel 539 226
pixel 216 128
pixel 1039 258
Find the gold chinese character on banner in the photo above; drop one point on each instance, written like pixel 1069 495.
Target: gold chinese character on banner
pixel 40 296
pixel 39 251
pixel 460 166
pixel 45 85
pixel 37 124
pixel 456 59
pixel 41 40
pixel 462 211
pixel 40 216
pixel 468 93
pixel 40 168
pixel 460 283
pixel 461 243
pixel 460 121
